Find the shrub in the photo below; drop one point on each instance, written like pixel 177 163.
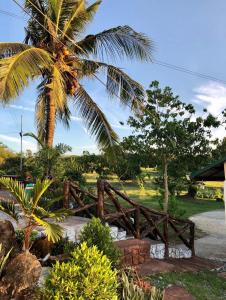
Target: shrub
pixel 63 246
pixel 95 233
pixel 87 276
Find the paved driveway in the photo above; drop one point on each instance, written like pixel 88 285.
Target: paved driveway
pixel 213 245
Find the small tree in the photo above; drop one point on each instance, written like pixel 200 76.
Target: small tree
pixel 33 214
pixel 169 129
pixel 48 161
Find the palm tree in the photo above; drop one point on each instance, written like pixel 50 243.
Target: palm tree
pixel 54 52
pixel 33 213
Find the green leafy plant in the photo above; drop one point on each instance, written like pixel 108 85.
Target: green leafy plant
pixel 87 276
pixel 95 233
pixel 3 259
pixel 133 290
pixel 33 214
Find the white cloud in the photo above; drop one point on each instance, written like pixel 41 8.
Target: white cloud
pixel 21 107
pixel 211 96
pixel 73 118
pixel 90 148
pixel 16 141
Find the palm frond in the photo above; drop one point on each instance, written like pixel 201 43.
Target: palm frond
pixel 9 209
pixel 57 88
pixel 49 202
pixel 57 7
pixel 3 259
pixel 117 42
pixel 119 84
pixel 40 111
pixel 77 9
pixel 130 91
pixel 9 49
pixel 53 231
pixel 16 71
pixel 32 135
pixel 39 189
pixel 17 189
pixel 58 215
pixel 37 25
pixel 64 116
pixel 80 16
pixel 94 119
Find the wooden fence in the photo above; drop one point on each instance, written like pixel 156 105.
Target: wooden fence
pixel 114 207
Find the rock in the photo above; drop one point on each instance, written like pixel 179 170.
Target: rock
pixel 44 274
pixel 7 237
pixel 22 273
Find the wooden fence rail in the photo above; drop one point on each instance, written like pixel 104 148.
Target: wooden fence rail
pixel 114 207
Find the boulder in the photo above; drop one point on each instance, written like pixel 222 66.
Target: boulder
pixel 22 273
pixel 7 237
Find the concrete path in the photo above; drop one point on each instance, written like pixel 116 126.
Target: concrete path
pixel 213 245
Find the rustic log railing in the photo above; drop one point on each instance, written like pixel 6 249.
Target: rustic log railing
pixel 114 207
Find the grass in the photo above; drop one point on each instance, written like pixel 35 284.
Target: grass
pixel 202 285
pixel 149 194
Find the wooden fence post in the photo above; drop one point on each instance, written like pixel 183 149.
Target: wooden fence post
pixel 137 222
pixel 100 195
pixel 66 194
pixel 166 237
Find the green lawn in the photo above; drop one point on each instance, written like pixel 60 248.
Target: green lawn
pixel 149 195
pixel 202 285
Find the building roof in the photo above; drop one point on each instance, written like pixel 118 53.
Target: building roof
pixel 212 172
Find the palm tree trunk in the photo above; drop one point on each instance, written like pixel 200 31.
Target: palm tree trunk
pixel 27 235
pixel 50 122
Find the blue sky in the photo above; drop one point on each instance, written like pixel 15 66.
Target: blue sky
pixel 185 33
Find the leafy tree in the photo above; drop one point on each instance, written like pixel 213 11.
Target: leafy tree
pixel 11 166
pixel 219 150
pixel 54 53
pixel 169 129
pixel 33 213
pixel 5 153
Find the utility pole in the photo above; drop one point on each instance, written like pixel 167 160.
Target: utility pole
pixel 21 144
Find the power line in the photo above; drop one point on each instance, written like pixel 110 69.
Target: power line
pixel 187 71
pixel 7 13
pixel 155 61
